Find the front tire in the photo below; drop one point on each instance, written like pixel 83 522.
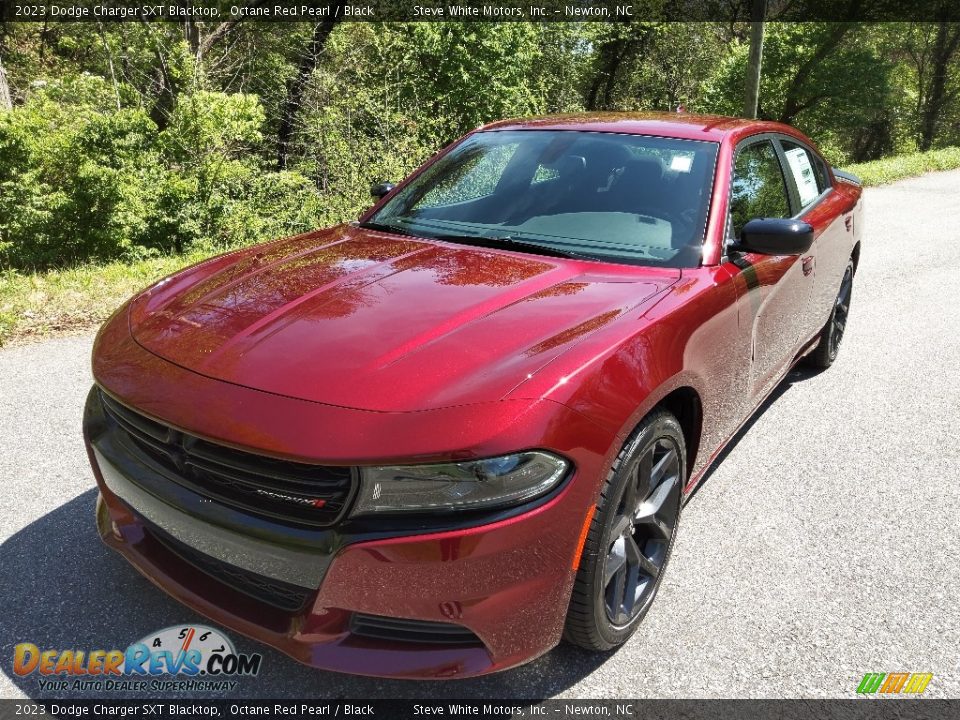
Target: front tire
pixel 831 335
pixel 631 536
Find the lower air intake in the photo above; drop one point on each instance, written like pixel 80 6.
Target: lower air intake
pixel 422 632
pixel 281 595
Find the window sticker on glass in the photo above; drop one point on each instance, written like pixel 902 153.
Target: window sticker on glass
pixel 681 163
pixel 802 171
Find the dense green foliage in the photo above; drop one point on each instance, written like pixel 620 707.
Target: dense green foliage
pixel 888 170
pixel 83 179
pixel 134 140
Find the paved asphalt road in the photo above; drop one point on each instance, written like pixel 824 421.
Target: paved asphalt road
pixel 826 544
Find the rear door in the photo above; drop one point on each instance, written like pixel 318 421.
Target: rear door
pixel 814 203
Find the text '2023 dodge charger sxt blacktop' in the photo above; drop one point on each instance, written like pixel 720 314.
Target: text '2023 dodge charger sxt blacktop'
pixel 435 441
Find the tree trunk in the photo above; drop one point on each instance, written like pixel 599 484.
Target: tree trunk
pixel 191 33
pixel 754 62
pixel 596 84
pixel 113 73
pixel 199 47
pixel 611 57
pixel 296 87
pixel 945 47
pixel 5 101
pixel 795 102
pixel 165 90
pixel 610 77
pixel 166 85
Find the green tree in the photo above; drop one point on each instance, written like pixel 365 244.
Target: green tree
pixel 830 89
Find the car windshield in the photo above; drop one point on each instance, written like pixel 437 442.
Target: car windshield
pixel 604 196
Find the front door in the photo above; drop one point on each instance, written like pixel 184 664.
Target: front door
pixel 775 290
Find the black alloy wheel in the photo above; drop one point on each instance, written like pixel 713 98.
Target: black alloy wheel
pixel 631 536
pixel 645 522
pixel 841 310
pixel 831 335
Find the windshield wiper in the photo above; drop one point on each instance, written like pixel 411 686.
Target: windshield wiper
pixel 385 227
pixel 504 242
pixel 509 242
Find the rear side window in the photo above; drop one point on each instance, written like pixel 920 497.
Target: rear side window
pixel 806 171
pixel 759 188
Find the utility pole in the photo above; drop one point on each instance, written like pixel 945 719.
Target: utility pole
pixel 6 103
pixel 751 98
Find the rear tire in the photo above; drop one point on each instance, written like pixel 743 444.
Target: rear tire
pixel 631 536
pixel 826 351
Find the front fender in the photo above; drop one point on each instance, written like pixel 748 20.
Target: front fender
pixel 689 338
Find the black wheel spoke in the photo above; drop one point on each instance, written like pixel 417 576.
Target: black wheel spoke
pixel 644 472
pixel 619 587
pixel 653 504
pixel 657 525
pixel 631 495
pixel 631 595
pixel 668 463
pixel 636 557
pixel 841 310
pixel 620 527
pixel 616 559
pixel 844 298
pixel 648 510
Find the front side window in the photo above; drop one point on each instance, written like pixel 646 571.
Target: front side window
pixel 759 188
pixel 605 196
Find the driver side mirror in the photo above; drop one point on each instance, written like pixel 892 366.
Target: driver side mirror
pixel 774 236
pixel 382 189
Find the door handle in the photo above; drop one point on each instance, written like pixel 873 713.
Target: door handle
pixel 848 221
pixel 807 264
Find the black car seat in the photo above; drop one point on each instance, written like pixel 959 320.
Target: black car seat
pixel 554 195
pixel 640 189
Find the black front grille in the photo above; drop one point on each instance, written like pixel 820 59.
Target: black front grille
pixel 424 632
pixel 277 593
pixel 290 492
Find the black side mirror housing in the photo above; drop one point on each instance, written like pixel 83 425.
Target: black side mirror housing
pixel 775 236
pixel 382 189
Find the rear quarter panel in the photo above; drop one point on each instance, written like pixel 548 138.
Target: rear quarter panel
pixel 837 221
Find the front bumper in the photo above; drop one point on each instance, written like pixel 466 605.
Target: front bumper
pixel 508 583
pixel 506 579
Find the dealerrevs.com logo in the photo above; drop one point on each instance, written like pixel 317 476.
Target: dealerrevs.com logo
pixel 177 658
pixel 896 683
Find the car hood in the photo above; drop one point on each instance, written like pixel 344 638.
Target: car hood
pixel 369 320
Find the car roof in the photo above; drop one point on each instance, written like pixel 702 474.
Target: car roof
pixel 713 128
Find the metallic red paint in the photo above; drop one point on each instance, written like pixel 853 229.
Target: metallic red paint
pixel 352 347
pixel 468 323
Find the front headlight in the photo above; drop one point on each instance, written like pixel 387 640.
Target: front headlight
pixel 475 484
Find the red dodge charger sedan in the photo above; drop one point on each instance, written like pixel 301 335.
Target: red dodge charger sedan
pixel 435 441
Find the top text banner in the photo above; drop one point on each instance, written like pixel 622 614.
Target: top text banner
pixel 479 10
